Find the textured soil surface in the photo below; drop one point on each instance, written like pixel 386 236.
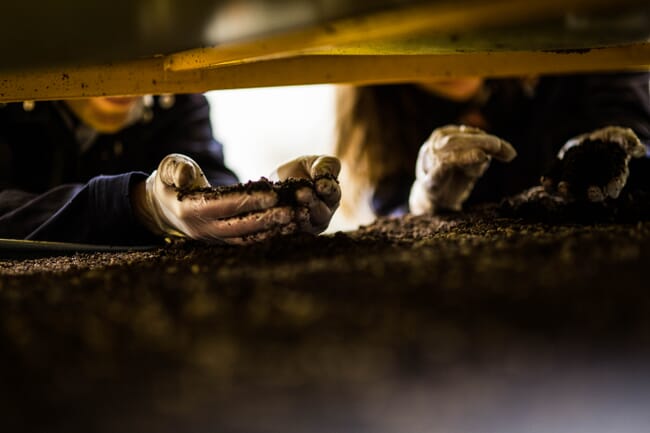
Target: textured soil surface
pixel 488 322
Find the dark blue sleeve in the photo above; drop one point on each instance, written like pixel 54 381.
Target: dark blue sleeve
pixel 98 212
pixel 389 194
pixel 186 128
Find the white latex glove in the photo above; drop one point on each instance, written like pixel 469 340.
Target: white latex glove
pixel 448 165
pixel 321 201
pixel 594 166
pixel 236 218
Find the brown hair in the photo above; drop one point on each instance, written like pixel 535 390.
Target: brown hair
pixel 379 132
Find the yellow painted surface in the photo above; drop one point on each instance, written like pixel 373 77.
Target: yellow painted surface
pixel 351 50
pixel 442 16
pixel 149 76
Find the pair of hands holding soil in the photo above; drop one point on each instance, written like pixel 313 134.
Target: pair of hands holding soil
pixel 178 200
pixel 591 167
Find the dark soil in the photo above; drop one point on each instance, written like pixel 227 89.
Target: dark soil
pixel 473 323
pixel 286 190
pixel 594 162
pixel 537 205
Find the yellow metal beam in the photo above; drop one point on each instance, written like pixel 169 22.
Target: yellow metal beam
pixel 150 77
pixel 438 16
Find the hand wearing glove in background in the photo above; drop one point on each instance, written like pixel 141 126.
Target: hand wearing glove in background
pixel 321 201
pixel 448 165
pixel 594 166
pixel 235 218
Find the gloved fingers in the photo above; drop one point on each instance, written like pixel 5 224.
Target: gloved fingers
pixel 624 137
pixel 319 214
pixel 436 165
pixel 324 170
pixel 465 157
pixel 328 190
pixel 241 226
pixel 181 172
pixel 548 183
pixel 297 168
pixel 490 144
pixel 449 178
pixel 564 189
pixel 615 186
pixel 420 201
pixel 598 193
pixel 447 130
pixel 308 167
pixel 446 190
pixel 325 165
pixel 227 205
pixel 593 193
pixel 263 236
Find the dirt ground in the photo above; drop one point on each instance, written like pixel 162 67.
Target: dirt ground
pixel 490 322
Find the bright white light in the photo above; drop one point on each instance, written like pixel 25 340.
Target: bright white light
pixel 263 128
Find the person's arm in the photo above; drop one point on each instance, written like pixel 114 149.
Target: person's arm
pixel 101 211
pixel 98 212
pixel 134 208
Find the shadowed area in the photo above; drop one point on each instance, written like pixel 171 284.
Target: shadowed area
pixel 474 324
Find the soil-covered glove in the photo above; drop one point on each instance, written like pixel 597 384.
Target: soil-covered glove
pixel 323 199
pixel 448 165
pixel 236 217
pixel 594 166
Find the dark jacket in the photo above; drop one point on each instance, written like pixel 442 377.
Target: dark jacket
pixel 52 190
pixel 536 121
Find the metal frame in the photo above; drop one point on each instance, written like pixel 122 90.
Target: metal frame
pixel 348 50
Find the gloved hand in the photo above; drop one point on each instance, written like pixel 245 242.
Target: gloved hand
pixel 236 218
pixel 594 166
pixel 321 201
pixel 448 165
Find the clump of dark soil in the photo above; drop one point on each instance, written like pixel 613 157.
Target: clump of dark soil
pixel 538 205
pixel 594 162
pixel 286 190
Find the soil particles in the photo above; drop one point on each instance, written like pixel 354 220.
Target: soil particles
pixel 490 321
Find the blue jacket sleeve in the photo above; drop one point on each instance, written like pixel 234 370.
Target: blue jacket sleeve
pixel 98 212
pixel 187 129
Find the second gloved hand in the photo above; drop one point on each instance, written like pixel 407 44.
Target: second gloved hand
pixel 448 165
pixel 594 166
pixel 236 218
pixel 321 201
